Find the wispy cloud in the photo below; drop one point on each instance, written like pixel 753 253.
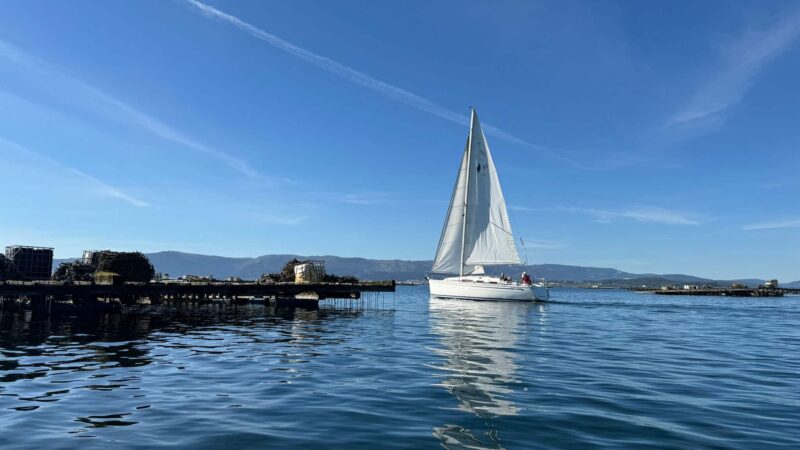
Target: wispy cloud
pixel 350 198
pixel 543 244
pixel 281 220
pixel 96 185
pixel 746 58
pixel 363 198
pixel 123 111
pixel 639 214
pixel 650 214
pixel 790 223
pixel 779 183
pixel 360 78
pixel 518 208
pixel 526 208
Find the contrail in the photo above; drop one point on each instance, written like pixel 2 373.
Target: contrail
pixel 109 190
pixel 100 186
pixel 751 54
pixel 354 76
pixel 131 114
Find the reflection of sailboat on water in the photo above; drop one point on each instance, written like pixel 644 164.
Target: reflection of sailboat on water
pixel 476 341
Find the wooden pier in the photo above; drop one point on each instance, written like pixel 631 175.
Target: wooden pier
pixel 120 296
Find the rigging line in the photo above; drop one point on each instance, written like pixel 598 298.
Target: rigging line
pixel 502 229
pixel 524 249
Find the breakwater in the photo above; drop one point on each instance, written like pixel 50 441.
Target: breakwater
pixel 725 292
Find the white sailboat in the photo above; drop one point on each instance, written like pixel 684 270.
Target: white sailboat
pixel 477 233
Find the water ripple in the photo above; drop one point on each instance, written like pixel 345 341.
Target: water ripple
pixel 593 369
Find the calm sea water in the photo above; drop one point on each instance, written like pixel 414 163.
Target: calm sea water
pixel 593 369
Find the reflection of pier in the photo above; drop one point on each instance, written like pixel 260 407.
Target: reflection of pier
pixel 477 344
pixel 47 295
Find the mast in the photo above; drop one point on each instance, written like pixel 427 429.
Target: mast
pixel 466 191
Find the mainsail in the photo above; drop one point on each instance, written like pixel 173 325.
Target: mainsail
pixel 476 230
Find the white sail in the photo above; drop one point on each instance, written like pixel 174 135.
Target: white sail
pixel 476 230
pixel 448 255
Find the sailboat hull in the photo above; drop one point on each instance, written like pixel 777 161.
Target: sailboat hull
pixel 487 289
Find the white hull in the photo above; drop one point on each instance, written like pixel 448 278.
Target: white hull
pixel 487 288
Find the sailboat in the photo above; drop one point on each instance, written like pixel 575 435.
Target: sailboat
pixel 477 233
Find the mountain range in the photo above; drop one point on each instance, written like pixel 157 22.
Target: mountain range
pixel 178 263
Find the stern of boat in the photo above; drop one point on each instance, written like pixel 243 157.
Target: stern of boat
pixel 540 292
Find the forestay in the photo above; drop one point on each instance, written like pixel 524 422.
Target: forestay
pixel 476 230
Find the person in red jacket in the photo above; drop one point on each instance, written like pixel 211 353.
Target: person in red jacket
pixel 526 279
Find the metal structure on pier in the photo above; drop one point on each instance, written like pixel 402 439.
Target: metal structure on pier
pixel 33 263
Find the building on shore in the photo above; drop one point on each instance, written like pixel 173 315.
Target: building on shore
pixel 197 278
pixel 33 263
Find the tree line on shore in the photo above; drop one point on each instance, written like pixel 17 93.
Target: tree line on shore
pixel 8 270
pixel 136 267
pixel 286 275
pixel 127 266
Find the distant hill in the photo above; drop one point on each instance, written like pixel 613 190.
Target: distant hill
pixel 572 273
pixel 651 282
pixel 178 263
pixel 793 284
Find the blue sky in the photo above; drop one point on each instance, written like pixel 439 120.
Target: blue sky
pixel 650 137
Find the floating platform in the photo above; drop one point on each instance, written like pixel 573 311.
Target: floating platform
pixel 119 296
pixel 726 292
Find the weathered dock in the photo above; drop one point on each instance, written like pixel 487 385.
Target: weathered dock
pixel 727 292
pixel 119 296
